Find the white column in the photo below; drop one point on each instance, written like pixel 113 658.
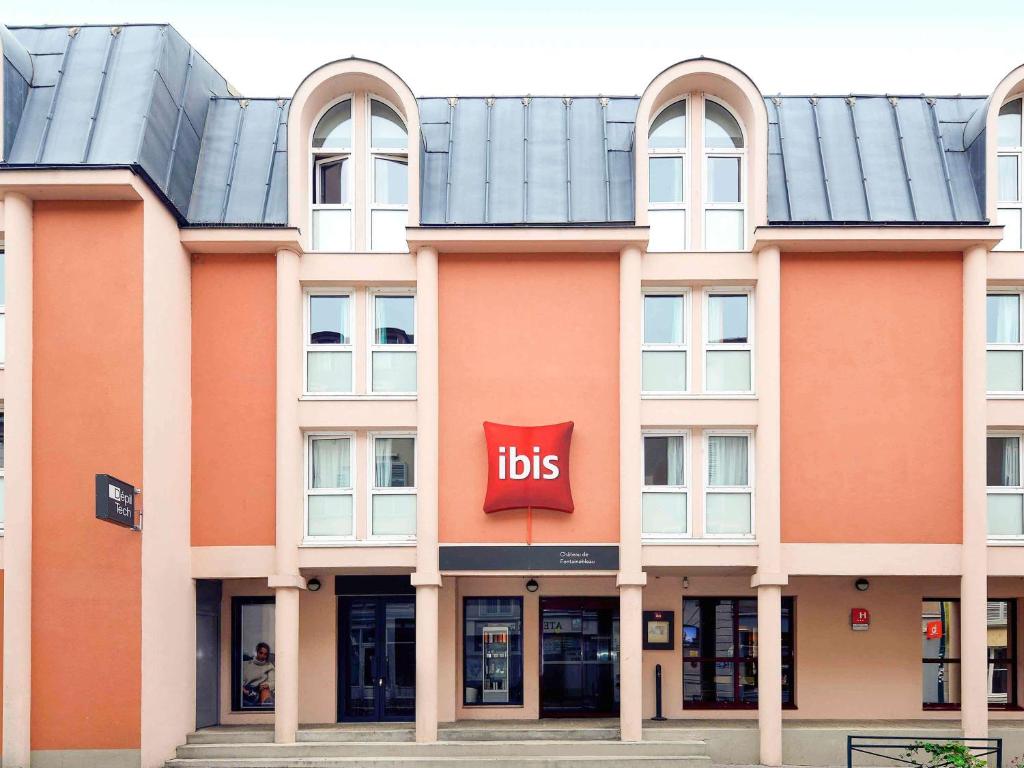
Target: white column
pixel 770 577
pixel 974 576
pixel 631 577
pixel 427 578
pixel 17 650
pixel 286 581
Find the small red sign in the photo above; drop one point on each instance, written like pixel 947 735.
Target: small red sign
pixel 528 467
pixel 860 618
pixel 933 630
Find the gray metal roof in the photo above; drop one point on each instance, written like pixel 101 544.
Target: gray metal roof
pixel 141 96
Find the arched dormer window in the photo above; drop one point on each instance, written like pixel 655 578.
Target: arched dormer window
pixel 1011 175
pixel 700 205
pixel 360 160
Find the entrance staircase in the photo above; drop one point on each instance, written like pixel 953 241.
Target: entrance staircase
pixel 489 744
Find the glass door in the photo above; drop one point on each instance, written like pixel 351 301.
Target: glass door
pixel 579 657
pixel 378 658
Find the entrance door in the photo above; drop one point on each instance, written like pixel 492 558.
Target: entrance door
pixel 579 670
pixel 377 655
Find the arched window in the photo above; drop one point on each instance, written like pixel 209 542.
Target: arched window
pixel 724 179
pixel 667 174
pixel 1011 175
pixel 360 139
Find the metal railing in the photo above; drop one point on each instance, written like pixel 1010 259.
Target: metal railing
pixel 896 748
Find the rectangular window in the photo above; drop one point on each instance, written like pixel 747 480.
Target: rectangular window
pixel 728 352
pixel 720 653
pixel 393 491
pixel 1005 352
pixel 329 484
pixel 492 656
pixel 252 654
pixel 729 485
pixel 328 343
pixel 664 355
pixel 1005 490
pixel 665 512
pixel 393 351
pixel 723 203
pixel 1001 623
pixel 332 203
pixel 940 653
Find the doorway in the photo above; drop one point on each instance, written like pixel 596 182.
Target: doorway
pixel 377 658
pixel 579 668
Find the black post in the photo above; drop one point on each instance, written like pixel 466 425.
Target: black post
pixel 657 693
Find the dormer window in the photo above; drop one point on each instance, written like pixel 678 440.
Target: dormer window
pixel 389 160
pixel 332 179
pixel 723 179
pixel 1010 193
pixel 668 170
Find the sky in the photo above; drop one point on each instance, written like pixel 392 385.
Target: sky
pixel 576 47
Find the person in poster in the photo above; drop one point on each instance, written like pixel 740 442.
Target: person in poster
pixel 258 678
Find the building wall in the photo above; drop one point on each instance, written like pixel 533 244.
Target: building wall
pixel 529 340
pixel 234 348
pixel 87 419
pixel 872 401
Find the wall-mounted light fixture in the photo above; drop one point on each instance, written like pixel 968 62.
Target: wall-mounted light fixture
pixel 532 585
pixel 862 585
pixel 686 582
pixel 313 585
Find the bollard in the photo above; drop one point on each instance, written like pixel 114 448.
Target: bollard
pixel 657 693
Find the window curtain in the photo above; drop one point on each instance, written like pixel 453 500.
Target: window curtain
pixel 1011 462
pixel 382 463
pixel 331 463
pixel 675 460
pixel 1003 320
pixel 727 460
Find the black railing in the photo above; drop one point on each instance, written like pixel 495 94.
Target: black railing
pixel 896 748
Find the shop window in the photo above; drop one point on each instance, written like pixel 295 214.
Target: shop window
pixel 724 156
pixel 332 179
pixel 1010 192
pixel 940 653
pixel 667 173
pixel 1005 350
pixel 720 652
pixel 329 484
pixel 252 654
pixel 1005 490
pixel 393 490
pixel 665 513
pixel 728 495
pixel 728 351
pixel 665 333
pixel 389 185
pixel 393 352
pixel 1001 623
pixel 328 343
pixel 492 658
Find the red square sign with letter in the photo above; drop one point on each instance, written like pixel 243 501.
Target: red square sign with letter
pixel 933 630
pixel 528 467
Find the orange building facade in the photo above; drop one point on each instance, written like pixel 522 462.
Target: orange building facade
pixel 787 333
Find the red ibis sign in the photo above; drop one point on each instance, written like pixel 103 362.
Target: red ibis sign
pixel 528 467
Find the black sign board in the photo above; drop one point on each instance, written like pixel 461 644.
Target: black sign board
pixel 530 558
pixel 115 501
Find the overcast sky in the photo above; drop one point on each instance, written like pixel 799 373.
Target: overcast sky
pixel 456 47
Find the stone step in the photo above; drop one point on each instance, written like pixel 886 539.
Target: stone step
pixel 580 761
pixel 446 749
pixel 521 733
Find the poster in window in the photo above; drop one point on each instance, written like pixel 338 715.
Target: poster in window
pixel 659 634
pixel 253 654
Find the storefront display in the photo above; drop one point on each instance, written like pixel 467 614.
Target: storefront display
pixel 493 651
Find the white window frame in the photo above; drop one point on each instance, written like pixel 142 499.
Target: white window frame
pixel 308 347
pixel 706 154
pixel 310 491
pixel 320 155
pixel 720 489
pixel 3 471
pixel 372 346
pixel 385 153
pixel 1018 204
pixel 683 152
pixel 687 295
pixel 3 319
pixel 374 491
pixel 708 346
pixel 1018 347
pixel 1006 490
pixel 675 489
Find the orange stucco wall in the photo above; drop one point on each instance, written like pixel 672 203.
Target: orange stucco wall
pixel 234 379
pixel 529 340
pixel 871 398
pixel 86 419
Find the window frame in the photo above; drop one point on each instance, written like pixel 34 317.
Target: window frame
pixel 708 346
pixel 372 294
pixel 374 491
pixel 683 489
pixel 235 652
pixel 685 346
pixel 385 153
pixel 3 312
pixel 1018 204
pixel 3 470
pixel 521 656
pixel 308 346
pixel 310 437
pixel 748 489
pixel 1006 490
pixel 706 154
pixel 683 207
pixel 320 155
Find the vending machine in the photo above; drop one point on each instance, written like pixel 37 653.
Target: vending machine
pixel 496 657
